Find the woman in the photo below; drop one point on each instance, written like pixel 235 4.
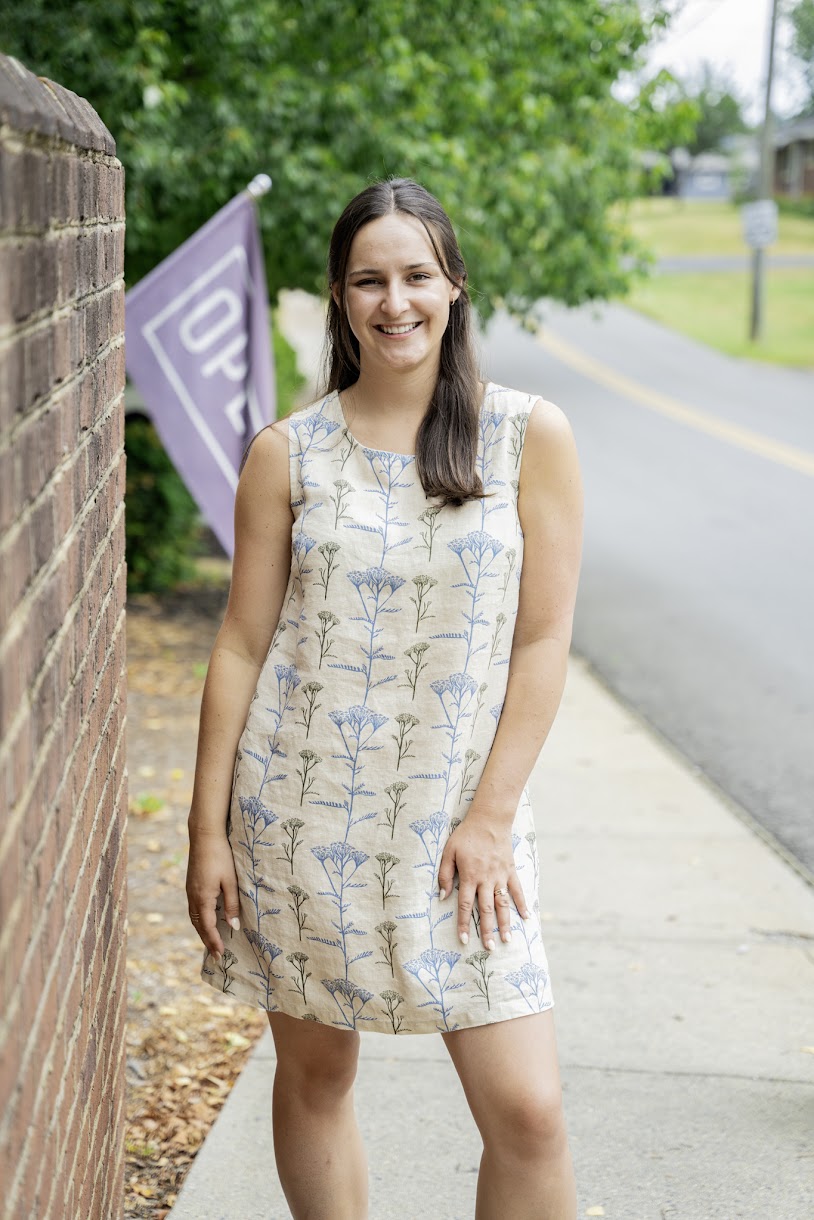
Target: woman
pixel 391 659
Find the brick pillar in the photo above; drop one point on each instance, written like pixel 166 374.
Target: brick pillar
pixel 63 782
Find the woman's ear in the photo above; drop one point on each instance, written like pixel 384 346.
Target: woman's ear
pixel 336 295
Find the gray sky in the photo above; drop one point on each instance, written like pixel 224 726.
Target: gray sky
pixel 733 36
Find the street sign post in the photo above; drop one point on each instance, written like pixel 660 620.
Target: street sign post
pixel 760 223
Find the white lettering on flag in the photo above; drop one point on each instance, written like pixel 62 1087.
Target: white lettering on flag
pixel 152 333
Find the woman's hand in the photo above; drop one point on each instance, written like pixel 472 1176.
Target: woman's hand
pixel 481 850
pixel 211 868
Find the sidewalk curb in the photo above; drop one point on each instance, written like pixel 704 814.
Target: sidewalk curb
pixel 719 793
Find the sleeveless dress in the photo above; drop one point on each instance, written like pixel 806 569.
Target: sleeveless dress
pixel 370 725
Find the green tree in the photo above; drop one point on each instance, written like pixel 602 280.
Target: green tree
pixel 719 111
pixel 802 20
pixel 506 111
pixel 162 522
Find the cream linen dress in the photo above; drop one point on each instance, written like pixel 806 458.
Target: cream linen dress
pixel 366 736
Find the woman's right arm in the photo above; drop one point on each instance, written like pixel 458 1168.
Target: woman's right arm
pixel 260 571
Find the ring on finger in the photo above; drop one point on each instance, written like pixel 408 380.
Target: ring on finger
pixel 502 892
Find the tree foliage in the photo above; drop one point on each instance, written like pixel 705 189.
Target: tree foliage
pixel 505 111
pixel 720 111
pixel 162 522
pixel 802 20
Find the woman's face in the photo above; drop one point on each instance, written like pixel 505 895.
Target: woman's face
pixel 396 295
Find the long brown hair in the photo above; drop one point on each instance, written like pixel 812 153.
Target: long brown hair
pixel 447 441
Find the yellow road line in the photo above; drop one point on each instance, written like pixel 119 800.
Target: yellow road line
pixel 774 451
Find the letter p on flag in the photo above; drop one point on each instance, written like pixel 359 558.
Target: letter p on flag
pixel 198 349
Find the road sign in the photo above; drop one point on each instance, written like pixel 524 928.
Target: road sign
pixel 760 223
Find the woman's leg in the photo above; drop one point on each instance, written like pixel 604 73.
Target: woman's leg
pixel 511 1079
pixel 317 1145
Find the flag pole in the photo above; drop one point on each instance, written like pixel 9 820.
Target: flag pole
pixel 259 185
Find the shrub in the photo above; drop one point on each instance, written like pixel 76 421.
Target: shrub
pixel 796 207
pixel 162 521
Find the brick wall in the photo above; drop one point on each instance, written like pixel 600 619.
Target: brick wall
pixel 63 782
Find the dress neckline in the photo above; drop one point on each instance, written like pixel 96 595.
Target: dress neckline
pixel 376 448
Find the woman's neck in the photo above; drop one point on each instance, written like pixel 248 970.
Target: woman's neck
pixel 384 392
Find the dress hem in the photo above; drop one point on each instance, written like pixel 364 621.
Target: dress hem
pixel 246 995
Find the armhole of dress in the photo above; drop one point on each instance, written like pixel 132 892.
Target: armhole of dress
pixel 294 490
pixel 532 400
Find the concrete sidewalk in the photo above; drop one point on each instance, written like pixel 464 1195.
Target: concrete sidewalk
pixel 681 951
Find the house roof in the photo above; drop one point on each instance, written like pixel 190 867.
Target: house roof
pixel 710 163
pixel 793 130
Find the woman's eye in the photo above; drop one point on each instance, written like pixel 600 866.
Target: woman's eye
pixel 417 275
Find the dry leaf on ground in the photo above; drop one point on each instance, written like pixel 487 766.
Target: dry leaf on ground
pixel 185 1047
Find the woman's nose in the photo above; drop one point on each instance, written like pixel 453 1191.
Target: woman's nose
pixel 394 301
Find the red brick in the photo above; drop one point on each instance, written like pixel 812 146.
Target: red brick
pixel 22 760
pixel 30 269
pixel 41 531
pixel 12 383
pixel 9 187
pixel 8 506
pixel 33 182
pixel 88 192
pixel 65 179
pixel 67 257
pixel 27 1199
pixel 118 265
pixel 65 471
pixel 39 363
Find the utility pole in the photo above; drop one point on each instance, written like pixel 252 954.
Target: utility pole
pixel 765 189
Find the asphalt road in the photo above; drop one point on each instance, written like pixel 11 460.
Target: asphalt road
pixel 696 599
pixel 733 262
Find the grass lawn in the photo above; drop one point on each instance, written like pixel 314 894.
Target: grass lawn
pixel 672 227
pixel 713 307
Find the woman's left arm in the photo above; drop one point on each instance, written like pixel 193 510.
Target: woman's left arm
pixel 550 508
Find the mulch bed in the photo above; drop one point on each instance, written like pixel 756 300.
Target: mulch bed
pixel 186 1045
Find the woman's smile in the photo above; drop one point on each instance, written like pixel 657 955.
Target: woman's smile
pixel 395 332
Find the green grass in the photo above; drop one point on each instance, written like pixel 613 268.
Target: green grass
pixel 672 227
pixel 713 307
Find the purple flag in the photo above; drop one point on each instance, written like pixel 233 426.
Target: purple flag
pixel 198 348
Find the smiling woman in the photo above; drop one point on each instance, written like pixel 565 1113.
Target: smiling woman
pixel 399 324
pixel 398 313
pixel 391 660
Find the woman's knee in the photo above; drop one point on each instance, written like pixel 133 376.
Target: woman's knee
pixel 316 1062
pixel 527 1124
